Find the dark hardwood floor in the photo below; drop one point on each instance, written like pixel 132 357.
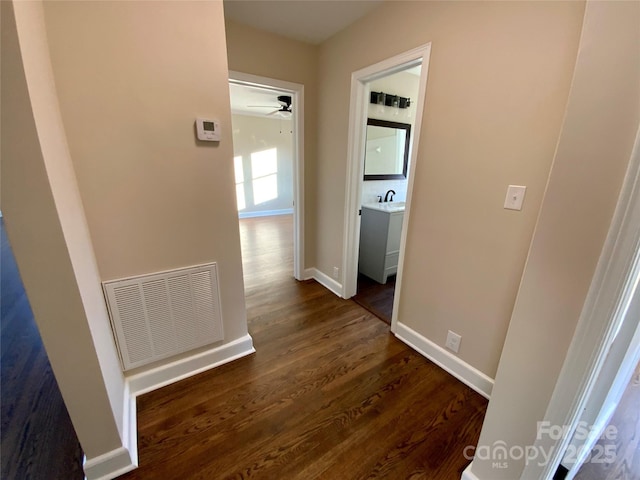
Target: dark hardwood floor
pixel 329 394
pixel 626 419
pixel 376 297
pixel 37 440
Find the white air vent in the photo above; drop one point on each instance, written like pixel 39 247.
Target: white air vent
pixel 159 315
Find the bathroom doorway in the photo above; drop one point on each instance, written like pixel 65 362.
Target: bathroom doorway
pixel 391 117
pixel 386 112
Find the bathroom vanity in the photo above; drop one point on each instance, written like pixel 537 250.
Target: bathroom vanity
pixel 380 229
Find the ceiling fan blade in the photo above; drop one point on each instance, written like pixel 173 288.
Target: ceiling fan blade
pixel 262 106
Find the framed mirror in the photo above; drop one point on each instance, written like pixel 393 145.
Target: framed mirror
pixel 387 150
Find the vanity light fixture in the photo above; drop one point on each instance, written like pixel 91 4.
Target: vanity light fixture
pixel 386 99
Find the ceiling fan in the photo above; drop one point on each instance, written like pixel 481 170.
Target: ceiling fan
pixel 283 110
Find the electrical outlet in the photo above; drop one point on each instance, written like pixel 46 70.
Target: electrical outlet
pixel 453 341
pixel 336 272
pixel 515 197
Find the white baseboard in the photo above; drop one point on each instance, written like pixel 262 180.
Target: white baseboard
pixel 125 458
pixel 468 474
pixel 324 280
pixel 186 367
pixel 130 424
pixel 265 213
pixel 111 464
pixel 464 372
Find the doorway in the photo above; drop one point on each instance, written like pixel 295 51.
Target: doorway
pixel 283 103
pixel 369 100
pixel 391 118
pixel 605 442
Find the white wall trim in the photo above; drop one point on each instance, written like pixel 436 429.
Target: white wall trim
pixel 297 93
pixel 130 424
pixel 111 464
pixel 324 280
pixel 464 372
pixel 123 459
pixel 467 474
pixel 265 213
pixel 175 371
pixel 308 274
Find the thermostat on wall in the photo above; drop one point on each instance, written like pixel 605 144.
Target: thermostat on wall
pixel 208 130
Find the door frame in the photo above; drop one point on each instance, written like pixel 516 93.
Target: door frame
pixel 611 384
pixel 612 295
pixel 296 91
pixel 360 80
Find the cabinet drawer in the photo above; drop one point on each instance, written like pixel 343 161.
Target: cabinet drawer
pixel 391 260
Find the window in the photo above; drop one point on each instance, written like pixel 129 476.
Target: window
pixel 239 170
pixel 264 174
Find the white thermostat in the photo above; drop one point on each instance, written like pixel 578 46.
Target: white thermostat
pixel 208 130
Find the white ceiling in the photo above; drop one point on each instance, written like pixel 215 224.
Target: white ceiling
pixel 311 21
pixel 264 101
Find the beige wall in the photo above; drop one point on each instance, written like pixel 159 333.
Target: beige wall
pixel 103 178
pixel 268 55
pixel 602 118
pixel 498 82
pixel 47 229
pixel 131 78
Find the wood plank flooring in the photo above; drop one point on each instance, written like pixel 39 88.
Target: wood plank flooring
pixel 329 394
pixel 376 297
pixel 37 440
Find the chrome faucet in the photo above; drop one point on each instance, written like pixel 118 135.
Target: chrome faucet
pixel 386 196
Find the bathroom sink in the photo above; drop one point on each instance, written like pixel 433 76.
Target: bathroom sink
pixel 390 207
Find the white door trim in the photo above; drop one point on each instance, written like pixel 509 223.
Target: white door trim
pixel 610 295
pixel 614 377
pixel 297 93
pixel 355 166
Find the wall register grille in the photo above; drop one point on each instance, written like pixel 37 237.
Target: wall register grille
pixel 163 314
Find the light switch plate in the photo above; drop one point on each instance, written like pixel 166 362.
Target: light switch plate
pixel 515 197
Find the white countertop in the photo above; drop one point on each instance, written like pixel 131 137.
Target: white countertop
pixel 389 207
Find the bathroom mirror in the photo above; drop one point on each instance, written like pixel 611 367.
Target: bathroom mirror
pixel 387 150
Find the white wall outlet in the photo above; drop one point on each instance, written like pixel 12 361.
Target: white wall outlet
pixel 515 197
pixel 336 272
pixel 453 341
